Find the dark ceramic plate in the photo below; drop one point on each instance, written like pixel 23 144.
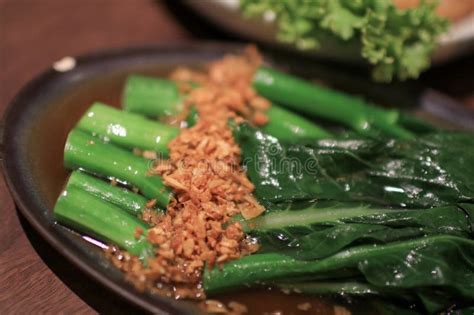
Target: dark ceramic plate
pixel 41 115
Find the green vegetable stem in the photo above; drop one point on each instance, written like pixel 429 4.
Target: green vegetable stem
pixel 433 170
pixel 144 93
pixel 322 230
pixel 290 127
pixel 318 101
pixel 422 265
pixel 121 197
pixel 90 215
pixel 151 96
pixel 127 129
pixel 92 155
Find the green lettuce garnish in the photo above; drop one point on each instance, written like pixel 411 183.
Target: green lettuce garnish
pixel 398 43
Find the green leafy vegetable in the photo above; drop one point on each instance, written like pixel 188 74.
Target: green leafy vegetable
pixel 127 129
pixel 317 232
pixel 96 217
pixel 92 155
pixel 422 265
pixel 121 197
pixel 290 127
pixel 397 42
pixel 160 98
pixel 321 102
pixel 405 254
pixel 432 170
pixel 151 96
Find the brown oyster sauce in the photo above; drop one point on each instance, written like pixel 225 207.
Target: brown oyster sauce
pixel 108 89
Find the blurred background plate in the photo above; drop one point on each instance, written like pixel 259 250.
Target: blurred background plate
pixel 225 13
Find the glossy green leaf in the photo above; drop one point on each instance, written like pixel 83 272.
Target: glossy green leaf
pixel 437 270
pixel 432 170
pixel 316 233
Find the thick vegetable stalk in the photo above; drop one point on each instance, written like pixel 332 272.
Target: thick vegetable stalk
pixel 92 155
pixel 127 129
pixel 314 213
pixel 288 126
pixel 320 231
pixel 89 214
pixel 317 101
pixel 143 95
pixel 121 197
pixel 422 265
pixel 151 96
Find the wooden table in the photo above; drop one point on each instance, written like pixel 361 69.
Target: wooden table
pixel 34 34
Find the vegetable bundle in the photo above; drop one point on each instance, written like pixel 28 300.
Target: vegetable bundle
pixel 380 209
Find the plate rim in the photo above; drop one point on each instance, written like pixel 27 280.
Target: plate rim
pixel 144 300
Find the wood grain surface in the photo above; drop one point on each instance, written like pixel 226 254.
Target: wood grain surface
pixel 34 278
